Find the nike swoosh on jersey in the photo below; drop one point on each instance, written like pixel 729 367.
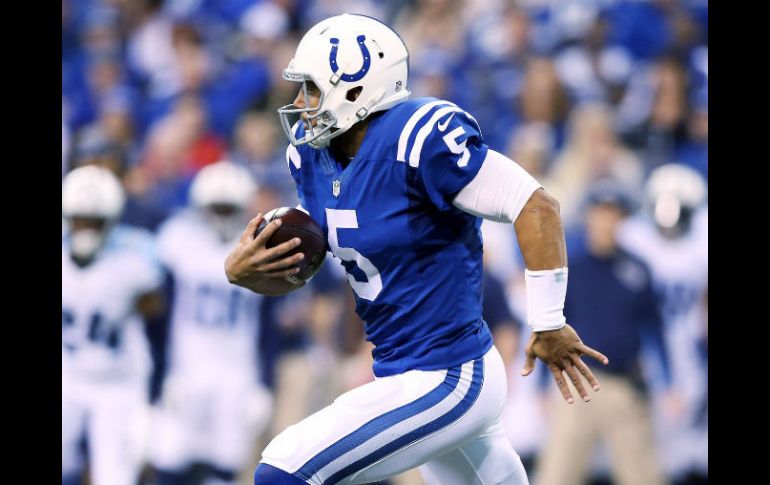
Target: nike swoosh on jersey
pixel 442 127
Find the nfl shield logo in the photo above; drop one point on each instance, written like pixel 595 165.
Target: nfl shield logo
pixel 336 188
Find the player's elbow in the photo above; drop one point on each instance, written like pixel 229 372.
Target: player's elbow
pixel 546 202
pixel 542 206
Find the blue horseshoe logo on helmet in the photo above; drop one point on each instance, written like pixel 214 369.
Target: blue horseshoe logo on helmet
pixel 364 52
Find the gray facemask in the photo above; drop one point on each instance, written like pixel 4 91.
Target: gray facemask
pixel 227 227
pixel 86 242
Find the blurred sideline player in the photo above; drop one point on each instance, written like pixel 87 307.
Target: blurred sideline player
pixel 399 187
pixel 672 238
pixel 212 406
pixel 110 280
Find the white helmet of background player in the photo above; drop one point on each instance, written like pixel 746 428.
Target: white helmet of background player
pixel 224 190
pixel 674 192
pixel 92 200
pixel 340 54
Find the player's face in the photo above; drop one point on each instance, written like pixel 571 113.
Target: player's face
pixel 602 221
pixel 227 220
pixel 86 223
pixel 87 236
pixel 309 96
pixel 223 210
pixel 671 218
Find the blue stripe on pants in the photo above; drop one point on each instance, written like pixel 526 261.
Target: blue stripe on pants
pixel 380 424
pixel 448 418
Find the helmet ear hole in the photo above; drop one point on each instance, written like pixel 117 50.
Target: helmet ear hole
pixel 354 93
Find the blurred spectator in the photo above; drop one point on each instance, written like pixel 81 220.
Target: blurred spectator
pixel 95 37
pixel 265 22
pixel 642 27
pixel 190 68
pixel 114 104
pixel 671 236
pixel 433 33
pixel 259 146
pixel 543 97
pixel 94 148
pixel 663 129
pixel 686 31
pixel 611 303
pixel 531 146
pixel 431 24
pixel 227 82
pixel 282 92
pixel 150 54
pixel 244 80
pixel 178 146
pixel 487 75
pixel 593 152
pixel 694 153
pixel 593 70
pixel 433 76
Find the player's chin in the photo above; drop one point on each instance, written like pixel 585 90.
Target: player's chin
pixel 309 122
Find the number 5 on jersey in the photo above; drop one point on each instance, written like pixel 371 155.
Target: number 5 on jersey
pixel 451 141
pixel 346 219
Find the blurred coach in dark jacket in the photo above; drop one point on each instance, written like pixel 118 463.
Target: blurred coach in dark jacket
pixel 611 304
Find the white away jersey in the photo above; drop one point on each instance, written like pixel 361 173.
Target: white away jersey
pixel 680 277
pixel 102 335
pixel 214 324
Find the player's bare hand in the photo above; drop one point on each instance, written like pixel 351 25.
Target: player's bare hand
pixel 252 265
pixel 561 351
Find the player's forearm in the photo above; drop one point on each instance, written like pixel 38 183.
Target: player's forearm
pixel 267 286
pixel 541 239
pixel 540 233
pixel 503 191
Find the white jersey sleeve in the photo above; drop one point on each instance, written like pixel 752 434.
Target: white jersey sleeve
pixel 499 190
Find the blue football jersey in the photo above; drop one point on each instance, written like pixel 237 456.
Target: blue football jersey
pixel 413 260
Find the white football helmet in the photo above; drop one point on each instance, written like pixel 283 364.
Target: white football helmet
pixel 674 192
pixel 340 54
pixel 224 190
pixel 93 193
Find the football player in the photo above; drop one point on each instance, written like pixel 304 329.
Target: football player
pixel 400 187
pixel 213 405
pixel 671 236
pixel 110 281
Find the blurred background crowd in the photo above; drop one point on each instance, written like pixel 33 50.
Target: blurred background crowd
pixel 605 102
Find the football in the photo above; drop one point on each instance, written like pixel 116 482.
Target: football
pixel 295 223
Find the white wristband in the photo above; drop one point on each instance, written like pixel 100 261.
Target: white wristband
pixel 546 290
